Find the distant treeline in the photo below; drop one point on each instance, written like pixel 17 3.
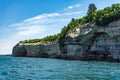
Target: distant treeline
pixel 93 16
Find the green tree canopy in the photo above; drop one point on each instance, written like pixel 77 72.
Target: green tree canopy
pixel 92 8
pixel 91 13
pixel 98 17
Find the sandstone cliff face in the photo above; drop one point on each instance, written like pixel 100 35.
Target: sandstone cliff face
pixel 85 42
pixel 36 50
pixel 94 42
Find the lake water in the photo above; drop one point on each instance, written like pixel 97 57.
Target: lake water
pixel 19 68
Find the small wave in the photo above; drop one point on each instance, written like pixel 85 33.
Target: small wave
pixel 4 73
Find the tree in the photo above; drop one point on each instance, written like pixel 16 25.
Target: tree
pixel 92 8
pixel 72 19
pixel 91 14
pixel 100 18
pixel 116 10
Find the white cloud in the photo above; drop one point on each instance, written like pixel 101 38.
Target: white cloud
pixel 40 17
pixel 72 13
pixel 36 27
pixel 38 24
pixel 73 7
pixel 70 7
pixel 32 30
pixel 33 26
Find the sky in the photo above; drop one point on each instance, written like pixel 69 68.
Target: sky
pixel 31 19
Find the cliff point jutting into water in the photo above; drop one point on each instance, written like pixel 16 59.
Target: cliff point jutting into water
pixel 95 36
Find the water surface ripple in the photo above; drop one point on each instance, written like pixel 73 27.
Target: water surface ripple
pixel 19 68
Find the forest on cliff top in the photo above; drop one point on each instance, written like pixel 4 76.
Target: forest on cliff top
pixel 93 16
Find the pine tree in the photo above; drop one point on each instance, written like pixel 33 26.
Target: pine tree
pixel 91 13
pixel 92 8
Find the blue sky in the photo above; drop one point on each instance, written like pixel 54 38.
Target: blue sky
pixel 29 19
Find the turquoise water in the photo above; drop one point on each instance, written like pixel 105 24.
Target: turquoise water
pixel 18 68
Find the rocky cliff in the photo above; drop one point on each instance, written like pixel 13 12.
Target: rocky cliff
pixel 86 42
pixel 94 42
pixel 36 50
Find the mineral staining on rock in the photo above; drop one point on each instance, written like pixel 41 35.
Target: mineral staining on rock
pixel 95 43
pixel 36 50
pixel 92 43
pixel 82 39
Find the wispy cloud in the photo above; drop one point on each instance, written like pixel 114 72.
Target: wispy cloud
pixel 73 7
pixel 40 23
pixel 37 27
pixel 31 30
pixel 33 26
pixel 72 13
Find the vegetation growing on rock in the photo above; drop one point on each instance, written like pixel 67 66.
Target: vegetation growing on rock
pixel 94 16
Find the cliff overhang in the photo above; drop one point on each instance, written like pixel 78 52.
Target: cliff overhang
pixel 90 43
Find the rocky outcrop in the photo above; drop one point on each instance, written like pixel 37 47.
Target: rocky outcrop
pixel 94 43
pixel 87 42
pixel 36 50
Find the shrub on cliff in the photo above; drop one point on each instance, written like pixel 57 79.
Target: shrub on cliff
pixel 98 17
pixel 108 15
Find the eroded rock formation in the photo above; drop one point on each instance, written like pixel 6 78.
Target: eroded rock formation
pixel 87 42
pixel 36 50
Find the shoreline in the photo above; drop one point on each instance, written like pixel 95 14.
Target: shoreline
pixel 70 58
